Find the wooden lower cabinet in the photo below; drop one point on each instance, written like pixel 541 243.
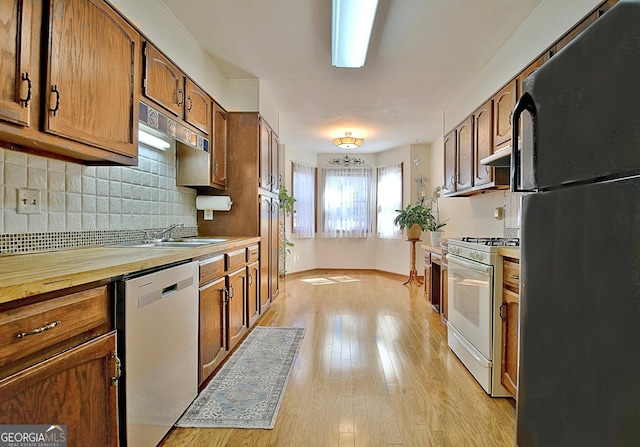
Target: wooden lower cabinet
pixel 509 314
pixel 236 305
pixel 253 296
pixel 212 330
pixel 435 280
pixel 75 388
pixel 229 299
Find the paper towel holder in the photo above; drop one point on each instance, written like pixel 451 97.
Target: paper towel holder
pixel 209 204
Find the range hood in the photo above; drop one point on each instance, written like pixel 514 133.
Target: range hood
pixel 500 159
pixel 171 128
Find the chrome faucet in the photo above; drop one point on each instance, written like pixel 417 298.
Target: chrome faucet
pixel 161 234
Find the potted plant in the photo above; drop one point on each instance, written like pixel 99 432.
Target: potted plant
pixel 286 209
pixel 415 218
pixel 434 230
pixel 434 225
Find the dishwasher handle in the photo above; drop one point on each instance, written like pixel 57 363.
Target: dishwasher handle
pixel 162 292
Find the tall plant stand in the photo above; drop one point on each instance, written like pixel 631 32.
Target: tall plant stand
pixel 413 273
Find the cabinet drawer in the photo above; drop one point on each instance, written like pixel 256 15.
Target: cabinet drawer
pixel 252 253
pixel 211 269
pixel 37 331
pixel 235 259
pixel 511 274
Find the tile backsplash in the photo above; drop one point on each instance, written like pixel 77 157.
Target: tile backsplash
pixel 86 204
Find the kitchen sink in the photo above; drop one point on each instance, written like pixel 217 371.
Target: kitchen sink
pixel 171 243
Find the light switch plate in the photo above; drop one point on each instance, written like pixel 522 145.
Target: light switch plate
pixel 28 201
pixel 497 213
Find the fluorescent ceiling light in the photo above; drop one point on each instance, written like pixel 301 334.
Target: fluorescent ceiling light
pixel 152 140
pixel 351 31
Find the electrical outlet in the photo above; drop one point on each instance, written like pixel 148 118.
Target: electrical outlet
pixel 28 201
pixel 208 214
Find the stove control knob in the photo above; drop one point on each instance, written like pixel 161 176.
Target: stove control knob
pixel 479 256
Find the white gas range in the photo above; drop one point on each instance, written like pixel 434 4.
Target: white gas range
pixel 474 329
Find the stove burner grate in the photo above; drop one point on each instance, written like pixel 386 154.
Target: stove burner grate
pixel 494 241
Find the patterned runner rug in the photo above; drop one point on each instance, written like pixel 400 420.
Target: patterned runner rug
pixel 247 390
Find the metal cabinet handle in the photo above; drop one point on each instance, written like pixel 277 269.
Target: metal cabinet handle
pixel 233 292
pixel 514 277
pixel 46 327
pixel 250 279
pixel 180 97
pixel 114 379
pixel 502 306
pixel 190 103
pixel 54 89
pixel 25 77
pixel 216 169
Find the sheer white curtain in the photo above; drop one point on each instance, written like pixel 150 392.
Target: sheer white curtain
pixel 346 202
pixel 304 179
pixel 389 200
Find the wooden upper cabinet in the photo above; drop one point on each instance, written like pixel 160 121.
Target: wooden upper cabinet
pixel 16 79
pixel 265 180
pixel 275 163
pixel 464 168
pixel 197 107
pixel 503 103
pixel 450 163
pixel 524 74
pixel 163 81
pixel 91 73
pixel 166 85
pixel 219 156
pixel 483 143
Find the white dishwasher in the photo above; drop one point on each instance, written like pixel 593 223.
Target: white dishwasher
pixel 157 321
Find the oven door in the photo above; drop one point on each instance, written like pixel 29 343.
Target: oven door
pixel 471 302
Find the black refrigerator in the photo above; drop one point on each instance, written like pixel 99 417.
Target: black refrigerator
pixel 578 159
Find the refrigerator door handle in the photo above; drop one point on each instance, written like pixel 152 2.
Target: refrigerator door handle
pixel 524 103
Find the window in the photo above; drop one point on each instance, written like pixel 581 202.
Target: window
pixel 346 202
pixel 303 190
pixel 389 200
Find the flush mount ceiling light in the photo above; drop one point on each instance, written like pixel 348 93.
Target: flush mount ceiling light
pixel 351 30
pixel 348 142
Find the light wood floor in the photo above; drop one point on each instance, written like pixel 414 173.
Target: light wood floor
pixel 374 369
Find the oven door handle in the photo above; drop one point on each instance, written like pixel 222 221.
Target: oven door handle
pixel 476 266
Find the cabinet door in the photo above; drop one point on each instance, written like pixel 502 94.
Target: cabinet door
pixel 265 257
pixel 75 388
pixel 197 107
pixel 503 103
pixel 275 163
pixel 464 176
pixel 212 330
pixel 236 325
pixel 253 283
pixel 449 163
pixel 274 242
pixel 163 81
pixel 483 143
pixel 15 70
pixel 427 276
pixel 265 179
pixel 509 313
pixel 219 158
pixel 91 72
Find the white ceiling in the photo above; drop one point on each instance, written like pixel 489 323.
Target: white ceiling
pixel 421 52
